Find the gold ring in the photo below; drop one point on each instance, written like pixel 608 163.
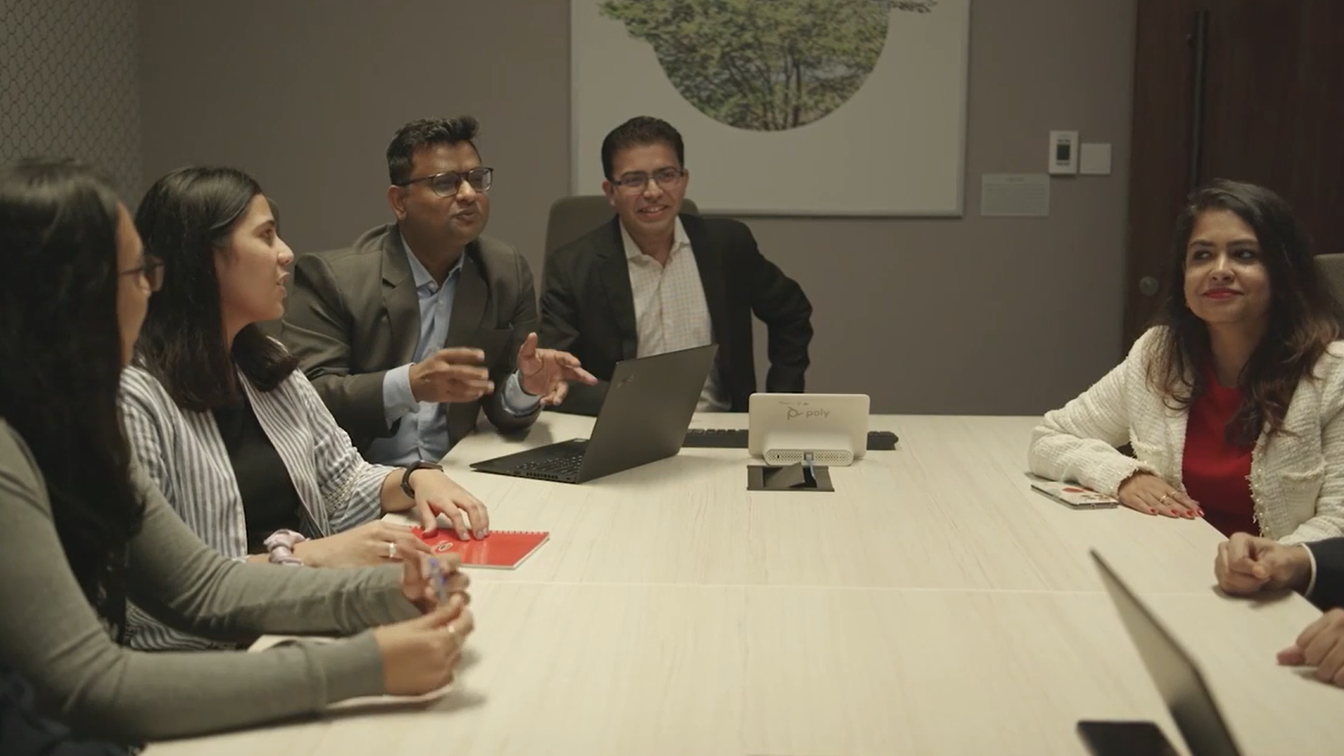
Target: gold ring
pixel 391 550
pixel 1164 498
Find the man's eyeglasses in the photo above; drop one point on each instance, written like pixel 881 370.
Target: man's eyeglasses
pixel 635 182
pixel 447 183
pixel 150 270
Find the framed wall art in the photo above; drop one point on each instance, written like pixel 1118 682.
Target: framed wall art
pixel 787 107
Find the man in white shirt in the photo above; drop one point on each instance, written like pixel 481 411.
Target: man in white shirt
pixel 655 280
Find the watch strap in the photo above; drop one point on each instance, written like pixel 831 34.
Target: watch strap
pixel 406 476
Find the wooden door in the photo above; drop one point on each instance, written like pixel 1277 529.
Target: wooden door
pixel 1251 90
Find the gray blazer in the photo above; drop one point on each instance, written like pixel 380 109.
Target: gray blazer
pixel 352 315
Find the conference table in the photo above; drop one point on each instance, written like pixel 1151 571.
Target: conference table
pixel 933 603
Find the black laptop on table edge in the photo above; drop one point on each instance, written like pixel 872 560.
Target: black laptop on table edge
pixel 644 416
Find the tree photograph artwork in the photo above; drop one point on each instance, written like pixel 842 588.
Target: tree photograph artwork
pixel 792 108
pixel 764 65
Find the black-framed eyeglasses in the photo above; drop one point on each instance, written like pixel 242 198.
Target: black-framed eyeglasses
pixel 150 270
pixel 447 183
pixel 635 182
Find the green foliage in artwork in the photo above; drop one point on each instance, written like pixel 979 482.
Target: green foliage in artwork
pixel 763 65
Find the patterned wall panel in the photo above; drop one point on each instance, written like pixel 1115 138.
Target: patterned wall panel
pixel 69 85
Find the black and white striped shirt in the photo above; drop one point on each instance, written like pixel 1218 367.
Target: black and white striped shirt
pixel 184 455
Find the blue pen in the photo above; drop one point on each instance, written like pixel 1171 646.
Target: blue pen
pixel 440 582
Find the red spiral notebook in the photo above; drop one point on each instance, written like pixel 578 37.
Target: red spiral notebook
pixel 502 549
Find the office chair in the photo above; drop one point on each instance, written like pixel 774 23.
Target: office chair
pixel 1332 267
pixel 572 217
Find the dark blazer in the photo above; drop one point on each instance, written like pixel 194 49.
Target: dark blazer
pixel 353 315
pixel 1328 593
pixel 587 309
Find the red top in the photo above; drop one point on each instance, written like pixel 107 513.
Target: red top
pixel 1214 471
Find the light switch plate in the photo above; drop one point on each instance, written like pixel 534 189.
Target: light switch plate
pixel 1094 159
pixel 1063 153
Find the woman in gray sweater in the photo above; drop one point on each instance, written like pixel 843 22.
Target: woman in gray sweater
pixel 82 530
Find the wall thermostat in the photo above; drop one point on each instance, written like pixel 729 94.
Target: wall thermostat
pixel 1063 152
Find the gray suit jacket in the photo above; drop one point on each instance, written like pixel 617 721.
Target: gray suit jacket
pixel 352 315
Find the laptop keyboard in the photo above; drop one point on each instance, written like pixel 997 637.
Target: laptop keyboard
pixel 716 438
pixel 567 464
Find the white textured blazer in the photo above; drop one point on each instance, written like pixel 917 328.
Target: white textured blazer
pixel 184 454
pixel 1297 478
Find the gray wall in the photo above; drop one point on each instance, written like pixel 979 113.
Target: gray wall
pixel 69 85
pixel 974 315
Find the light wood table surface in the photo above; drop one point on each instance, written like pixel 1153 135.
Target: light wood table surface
pixel 952 507
pixel 932 604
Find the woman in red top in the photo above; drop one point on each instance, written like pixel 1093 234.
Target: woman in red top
pixel 1216 469
pixel 1234 401
pixel 1219 324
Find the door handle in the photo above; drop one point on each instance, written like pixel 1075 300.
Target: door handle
pixel 1148 286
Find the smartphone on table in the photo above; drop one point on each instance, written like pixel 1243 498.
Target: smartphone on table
pixel 1125 739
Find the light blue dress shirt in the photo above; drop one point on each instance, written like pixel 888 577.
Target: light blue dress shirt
pixel 423 433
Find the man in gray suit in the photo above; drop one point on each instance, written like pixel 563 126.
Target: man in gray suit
pixel 408 334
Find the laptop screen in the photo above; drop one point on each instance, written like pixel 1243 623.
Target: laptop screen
pixel 1175 673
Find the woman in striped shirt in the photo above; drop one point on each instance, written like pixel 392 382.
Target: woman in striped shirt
pixel 232 433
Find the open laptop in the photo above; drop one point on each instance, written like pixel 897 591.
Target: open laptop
pixel 1174 671
pixel 644 417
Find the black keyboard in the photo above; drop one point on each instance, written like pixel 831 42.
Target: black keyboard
pixel 736 438
pixel 563 465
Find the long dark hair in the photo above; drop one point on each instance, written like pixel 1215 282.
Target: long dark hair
pixel 1303 316
pixel 185 219
pixel 61 352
